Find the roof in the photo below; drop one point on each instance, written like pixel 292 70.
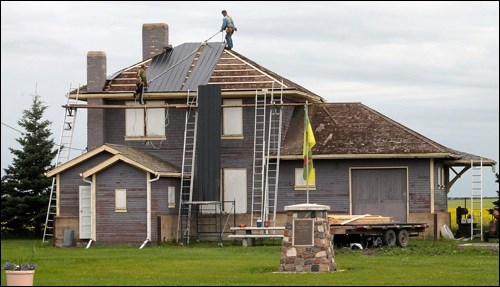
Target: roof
pixel 185 67
pixel 130 155
pixel 349 130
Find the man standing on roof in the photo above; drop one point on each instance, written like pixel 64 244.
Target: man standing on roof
pixel 228 24
pixel 140 83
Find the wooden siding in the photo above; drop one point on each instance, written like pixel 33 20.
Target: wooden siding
pixel 159 197
pixel 120 227
pixel 70 182
pixel 332 183
pixel 440 195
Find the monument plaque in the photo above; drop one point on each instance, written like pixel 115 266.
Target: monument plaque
pixel 303 232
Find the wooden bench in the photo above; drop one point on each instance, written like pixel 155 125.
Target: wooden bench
pixel 248 239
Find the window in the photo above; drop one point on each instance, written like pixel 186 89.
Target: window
pixel 300 183
pixel 143 123
pixel 232 118
pixel 235 189
pixel 440 175
pixel 171 197
pixel 120 200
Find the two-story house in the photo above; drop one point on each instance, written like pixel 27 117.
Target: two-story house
pixel 129 186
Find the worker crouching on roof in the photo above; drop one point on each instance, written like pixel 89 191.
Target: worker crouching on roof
pixel 141 83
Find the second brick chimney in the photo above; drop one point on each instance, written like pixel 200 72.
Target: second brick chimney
pixel 154 39
pixel 96 79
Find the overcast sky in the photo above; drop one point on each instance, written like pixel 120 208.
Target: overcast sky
pixel 431 66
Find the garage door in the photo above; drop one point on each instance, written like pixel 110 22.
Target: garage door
pixel 379 192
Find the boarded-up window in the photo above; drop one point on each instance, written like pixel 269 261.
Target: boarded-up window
pixel 134 120
pixel 300 183
pixel 171 197
pixel 232 118
pixel 235 189
pixel 120 200
pixel 145 123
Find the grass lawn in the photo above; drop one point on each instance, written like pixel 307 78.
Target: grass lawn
pixel 422 263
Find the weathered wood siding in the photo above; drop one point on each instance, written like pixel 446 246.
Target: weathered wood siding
pixel 332 183
pixel 119 227
pixel 70 180
pixel 440 195
pixel 159 197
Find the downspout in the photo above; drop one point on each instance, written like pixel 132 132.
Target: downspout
pixel 89 182
pixel 148 209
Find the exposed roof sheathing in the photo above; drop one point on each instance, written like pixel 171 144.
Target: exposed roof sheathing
pixel 189 65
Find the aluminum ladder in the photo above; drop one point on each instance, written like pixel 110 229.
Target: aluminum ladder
pixel 63 155
pixel 259 149
pixel 476 199
pixel 273 150
pixel 188 167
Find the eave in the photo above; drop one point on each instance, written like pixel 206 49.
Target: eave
pixel 119 157
pixel 369 156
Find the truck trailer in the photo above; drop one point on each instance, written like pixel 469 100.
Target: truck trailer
pixel 366 231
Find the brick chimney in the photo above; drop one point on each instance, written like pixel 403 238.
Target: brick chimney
pixel 96 71
pixel 154 39
pixel 96 79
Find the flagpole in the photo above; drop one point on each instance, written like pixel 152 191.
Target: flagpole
pixel 307 153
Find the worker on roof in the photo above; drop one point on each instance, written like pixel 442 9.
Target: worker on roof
pixel 228 25
pixel 140 83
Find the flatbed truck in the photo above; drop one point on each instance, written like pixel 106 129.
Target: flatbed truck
pixel 376 234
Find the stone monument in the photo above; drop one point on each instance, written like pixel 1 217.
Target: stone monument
pixel 307 243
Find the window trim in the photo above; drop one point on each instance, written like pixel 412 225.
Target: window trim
pixel 239 111
pixel 299 183
pixel 120 195
pixel 144 113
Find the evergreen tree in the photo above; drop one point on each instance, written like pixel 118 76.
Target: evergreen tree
pixel 25 188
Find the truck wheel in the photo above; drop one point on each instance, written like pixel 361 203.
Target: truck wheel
pixel 389 237
pixel 403 238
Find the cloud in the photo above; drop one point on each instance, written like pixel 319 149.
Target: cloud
pixel 432 66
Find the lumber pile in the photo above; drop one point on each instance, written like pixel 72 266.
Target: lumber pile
pixel 358 219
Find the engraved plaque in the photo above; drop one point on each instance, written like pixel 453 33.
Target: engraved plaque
pixel 303 232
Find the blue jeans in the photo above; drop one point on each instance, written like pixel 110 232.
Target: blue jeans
pixel 229 40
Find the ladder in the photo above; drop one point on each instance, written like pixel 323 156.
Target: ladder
pixel 258 156
pixel 63 153
pixel 476 199
pixel 273 149
pixel 188 165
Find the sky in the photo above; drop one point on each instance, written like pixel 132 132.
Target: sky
pixel 431 66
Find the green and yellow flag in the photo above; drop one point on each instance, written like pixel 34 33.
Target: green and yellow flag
pixel 309 142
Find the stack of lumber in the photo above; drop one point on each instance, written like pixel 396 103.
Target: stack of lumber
pixel 358 219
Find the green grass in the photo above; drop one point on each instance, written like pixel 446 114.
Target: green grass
pixel 422 263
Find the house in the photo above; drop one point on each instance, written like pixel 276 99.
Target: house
pixel 130 185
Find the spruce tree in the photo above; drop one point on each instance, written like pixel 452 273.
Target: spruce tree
pixel 25 188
